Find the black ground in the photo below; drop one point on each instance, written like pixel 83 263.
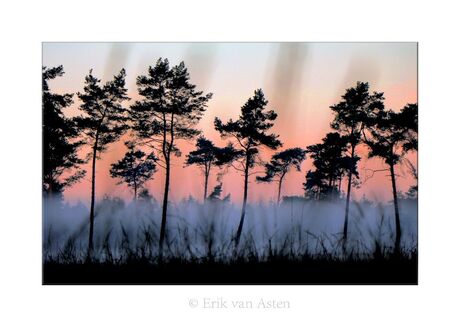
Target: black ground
pixel 312 271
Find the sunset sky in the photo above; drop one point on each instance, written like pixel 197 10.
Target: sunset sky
pixel 300 81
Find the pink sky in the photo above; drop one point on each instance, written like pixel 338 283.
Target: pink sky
pixel 300 81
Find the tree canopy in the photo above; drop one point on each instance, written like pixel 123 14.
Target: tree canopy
pixel 170 107
pixel 250 129
pixel 393 134
pixel 104 118
pixel 206 155
pixel 331 162
pixel 280 164
pixel 135 168
pixel 353 112
pixel 61 140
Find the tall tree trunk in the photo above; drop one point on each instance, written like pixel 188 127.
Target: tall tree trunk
pixel 135 191
pixel 166 189
pixel 245 198
pixel 206 178
pixel 165 209
pixel 395 200
pixel 347 205
pixel 280 183
pixel 167 156
pixel 91 213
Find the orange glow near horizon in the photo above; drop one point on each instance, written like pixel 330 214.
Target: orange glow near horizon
pixel 299 80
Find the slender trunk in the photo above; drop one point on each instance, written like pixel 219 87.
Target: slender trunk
pixel 165 209
pixel 135 191
pixel 91 213
pixel 347 206
pixel 280 183
pixel 245 198
pixel 397 220
pixel 167 156
pixel 206 178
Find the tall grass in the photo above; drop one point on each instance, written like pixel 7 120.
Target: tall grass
pixel 296 230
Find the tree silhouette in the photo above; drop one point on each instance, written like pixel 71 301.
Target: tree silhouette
pixel 103 122
pixel 250 133
pixel 216 192
pixel 279 166
pixel 135 168
pixel 169 110
pixel 331 163
pixel 60 138
pixel 393 134
pixel 351 115
pixel 314 185
pixel 208 155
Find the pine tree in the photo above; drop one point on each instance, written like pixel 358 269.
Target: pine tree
pixel 103 122
pixel 135 168
pixel 393 134
pixel 279 166
pixel 331 163
pixel 169 110
pixel 206 155
pixel 60 138
pixel 351 115
pixel 250 133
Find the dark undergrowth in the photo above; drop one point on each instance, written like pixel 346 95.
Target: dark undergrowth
pixel 199 247
pixel 390 269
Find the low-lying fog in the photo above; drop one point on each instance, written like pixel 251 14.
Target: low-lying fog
pixel 199 230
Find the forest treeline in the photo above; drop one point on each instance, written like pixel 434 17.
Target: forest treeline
pixel 169 109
